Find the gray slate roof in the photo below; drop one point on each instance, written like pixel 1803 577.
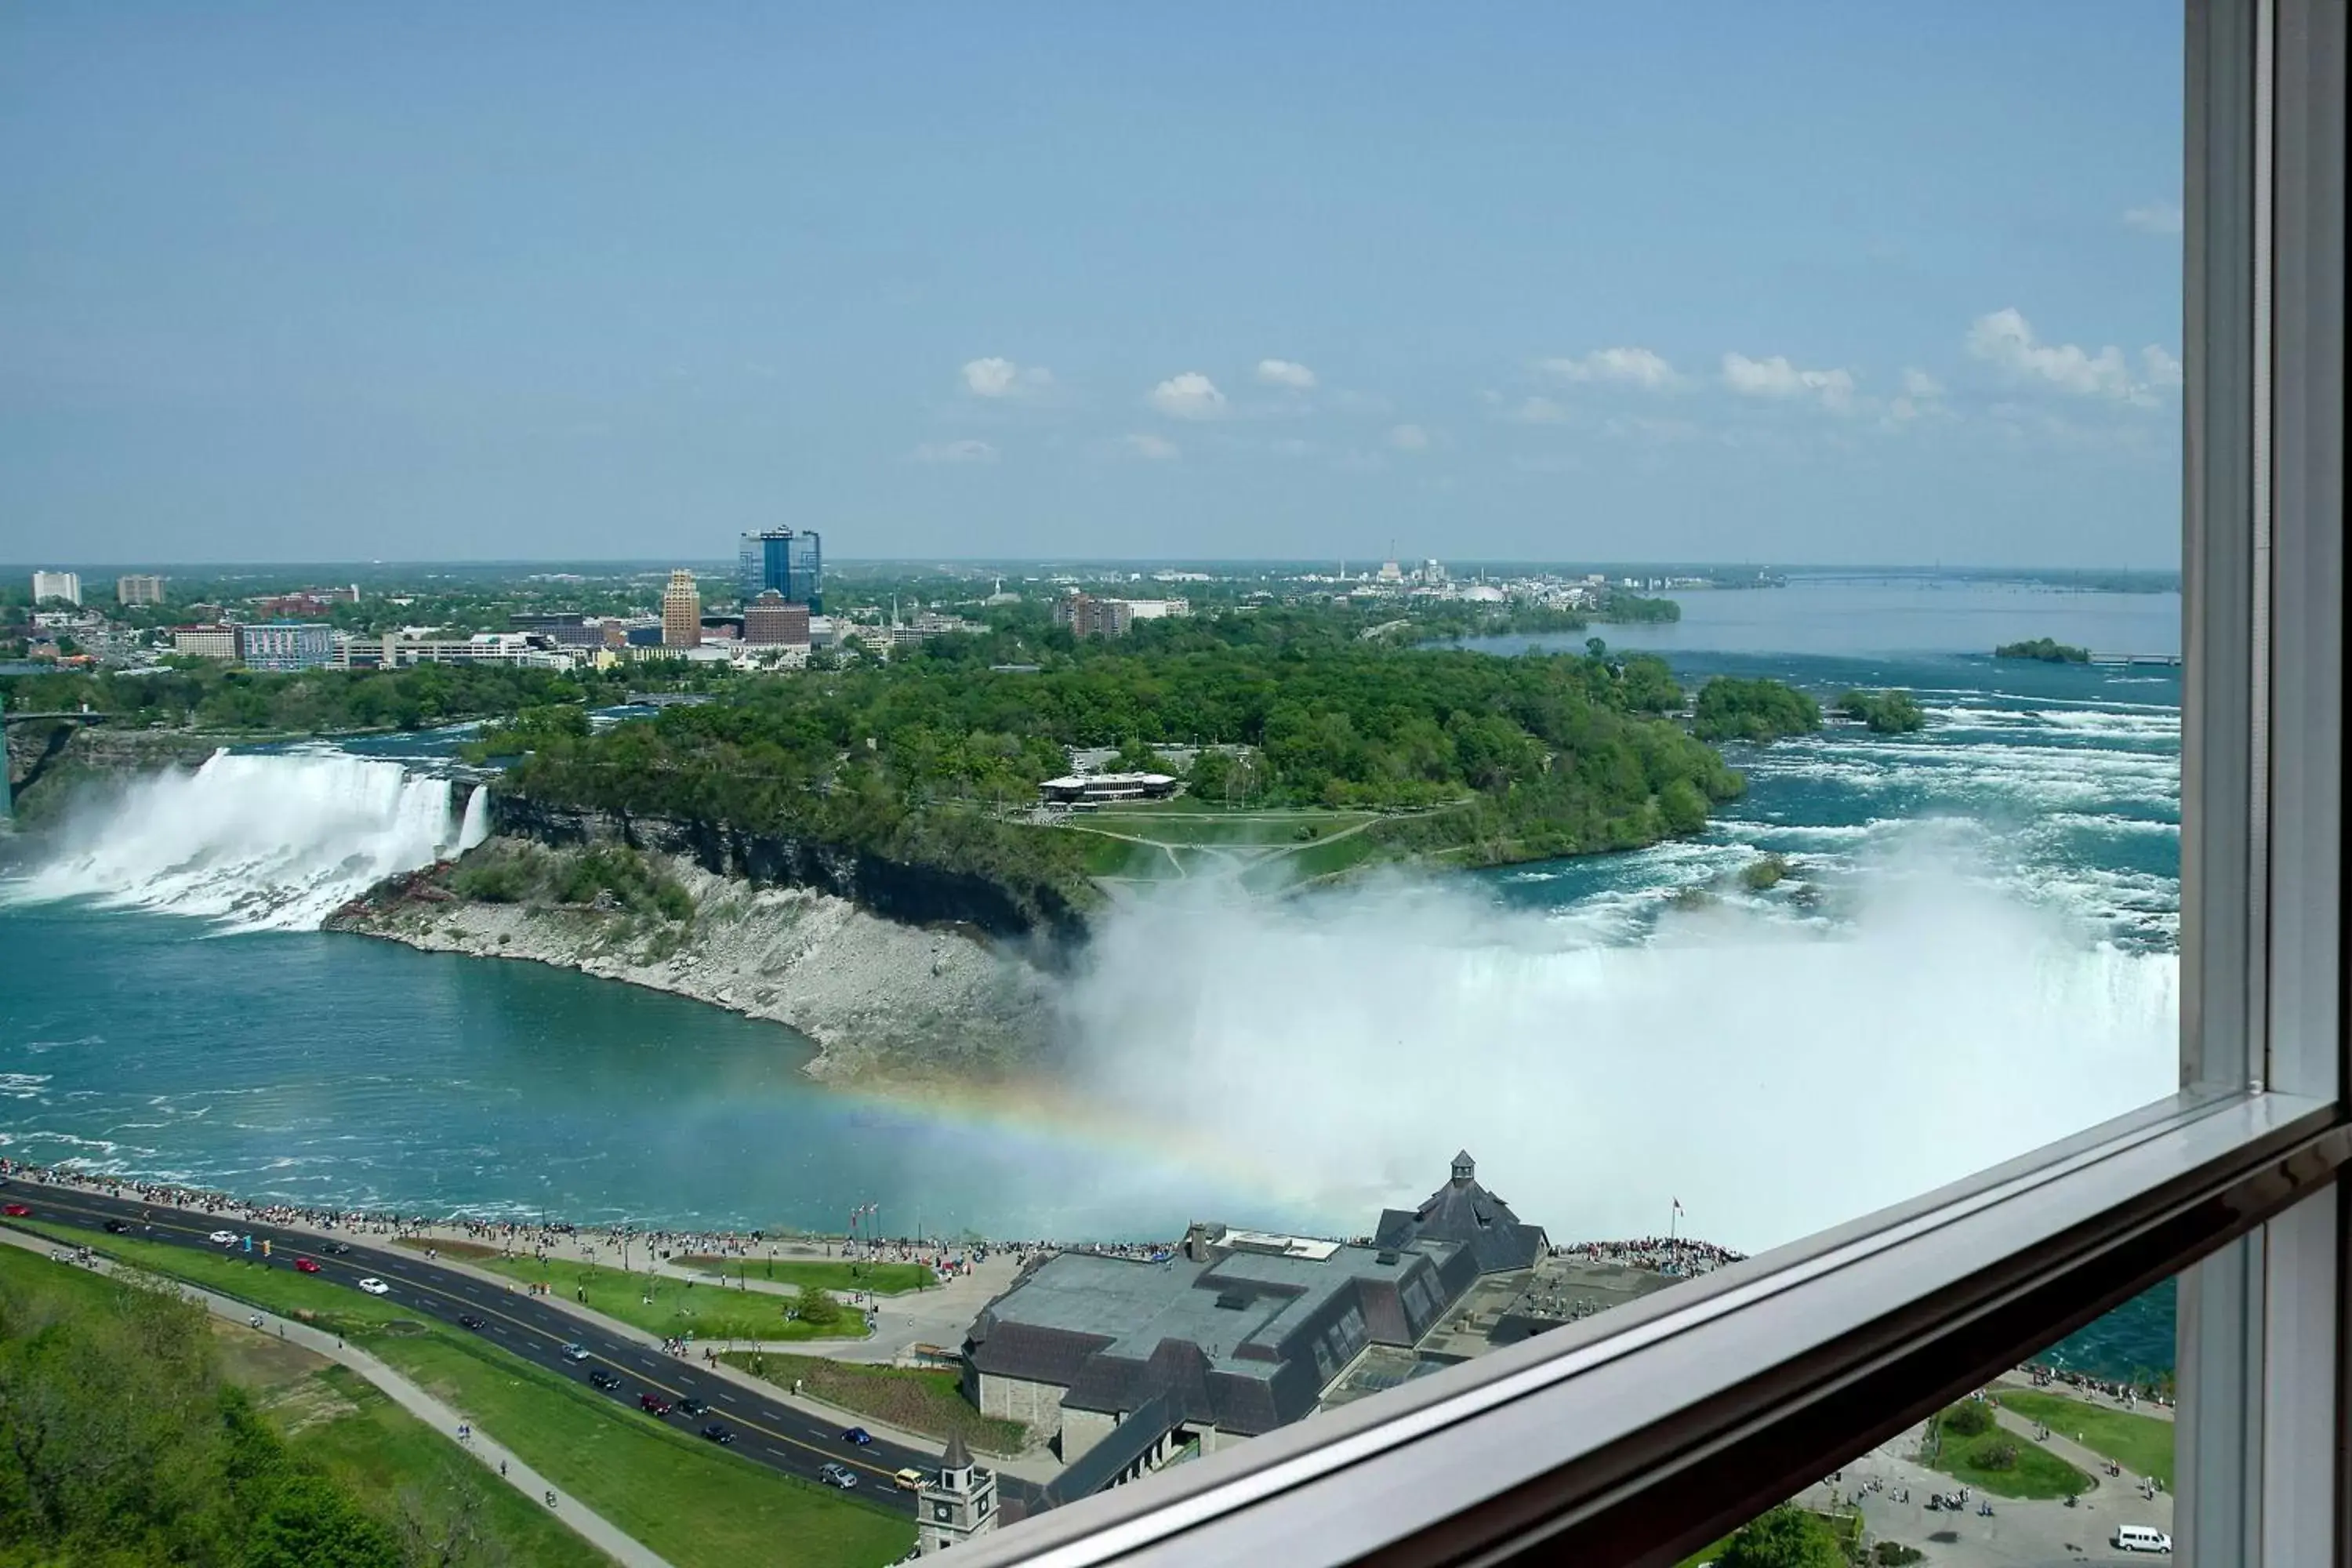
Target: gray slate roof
pixel 1467 1215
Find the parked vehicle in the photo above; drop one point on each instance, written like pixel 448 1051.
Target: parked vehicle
pixel 2141 1537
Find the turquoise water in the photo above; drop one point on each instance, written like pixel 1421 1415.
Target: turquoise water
pixel 323 1069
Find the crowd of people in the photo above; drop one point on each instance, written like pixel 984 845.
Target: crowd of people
pixel 1680 1255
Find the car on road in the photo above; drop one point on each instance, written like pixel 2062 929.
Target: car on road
pixel 375 1287
pixel 16 1211
pixel 468 1320
pixel 306 1266
pixel 653 1404
pixel 603 1379
pixel 336 1248
pixel 691 1407
pixel 857 1434
pixel 836 1476
pixel 222 1238
pixel 2141 1537
pixel 117 1227
pixel 575 1353
pixel 907 1479
pixel 717 1433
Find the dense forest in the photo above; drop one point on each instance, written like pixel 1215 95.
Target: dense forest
pixel 1518 758
pixel 126 1446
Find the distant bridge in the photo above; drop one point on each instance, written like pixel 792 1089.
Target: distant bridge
pixel 82 716
pixel 2168 660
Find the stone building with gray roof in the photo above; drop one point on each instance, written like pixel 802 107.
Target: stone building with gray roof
pixel 1233 1335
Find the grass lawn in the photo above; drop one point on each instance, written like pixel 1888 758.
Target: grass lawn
pixel 689 1501
pixel 679 1307
pixel 820 1273
pixel 694 1504
pixel 2035 1473
pixel 350 1428
pixel 2141 1444
pixel 918 1399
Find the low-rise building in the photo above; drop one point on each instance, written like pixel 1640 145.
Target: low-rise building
pixel 1084 788
pixel 139 588
pixel 1156 609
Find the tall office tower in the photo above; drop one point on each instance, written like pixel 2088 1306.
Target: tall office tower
pixel 789 560
pixel 681 611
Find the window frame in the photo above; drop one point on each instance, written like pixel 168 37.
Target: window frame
pixel 1641 1434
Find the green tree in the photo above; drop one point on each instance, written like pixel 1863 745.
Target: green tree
pixel 1788 1537
pixel 1730 709
pixel 310 1524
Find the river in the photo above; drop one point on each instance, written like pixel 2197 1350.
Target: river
pixel 167 1011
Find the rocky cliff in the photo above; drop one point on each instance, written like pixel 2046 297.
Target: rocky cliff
pixel 885 1000
pixel 917 895
pixel 49 762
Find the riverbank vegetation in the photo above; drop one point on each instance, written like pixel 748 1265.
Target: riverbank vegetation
pixel 934 759
pixel 913 1399
pixel 612 879
pixel 1730 709
pixel 207 695
pixel 1886 712
pixel 2046 649
pixel 694 1504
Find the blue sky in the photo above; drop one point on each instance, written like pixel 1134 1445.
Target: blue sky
pixel 1800 283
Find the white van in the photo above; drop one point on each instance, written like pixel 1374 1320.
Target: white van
pixel 2141 1537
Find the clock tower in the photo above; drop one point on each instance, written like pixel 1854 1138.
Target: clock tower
pixel 956 1504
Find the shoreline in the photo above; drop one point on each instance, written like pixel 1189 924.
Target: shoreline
pixel 882 1003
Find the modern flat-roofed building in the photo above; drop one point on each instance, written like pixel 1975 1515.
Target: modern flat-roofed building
pixel 571 630
pixel 1079 788
pixel 1233 1335
pixel 65 585
pixel 286 645
pixel 139 588
pixel 1089 617
pixel 204 642
pixel 789 560
pixel 771 621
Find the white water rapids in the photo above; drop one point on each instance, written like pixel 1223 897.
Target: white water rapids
pixel 260 842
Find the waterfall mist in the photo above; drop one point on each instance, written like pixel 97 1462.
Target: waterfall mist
pixel 1775 1076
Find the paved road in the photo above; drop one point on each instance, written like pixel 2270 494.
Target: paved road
pixel 767 1430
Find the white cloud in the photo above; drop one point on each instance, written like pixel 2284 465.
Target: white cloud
pixel 1919 384
pixel 1542 411
pixel 1409 438
pixel 2006 339
pixel 2157 217
pixel 966 451
pixel 1191 395
pixel 1777 378
pixel 1922 397
pixel 1626 367
pixel 1285 373
pixel 1159 449
pixel 995 377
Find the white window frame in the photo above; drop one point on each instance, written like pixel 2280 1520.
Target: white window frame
pixel 1640 1435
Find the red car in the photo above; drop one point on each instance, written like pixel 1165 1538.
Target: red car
pixel 16 1211
pixel 305 1265
pixel 653 1404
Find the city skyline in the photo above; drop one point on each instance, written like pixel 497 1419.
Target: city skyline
pixel 1830 285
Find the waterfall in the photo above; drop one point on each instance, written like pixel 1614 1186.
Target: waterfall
pixel 258 842
pixel 477 826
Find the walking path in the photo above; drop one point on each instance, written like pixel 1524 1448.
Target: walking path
pixel 576 1515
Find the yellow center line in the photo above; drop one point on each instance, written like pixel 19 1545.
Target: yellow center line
pixel 869 1466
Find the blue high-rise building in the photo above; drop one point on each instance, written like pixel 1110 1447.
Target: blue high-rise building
pixel 789 560
pixel 285 645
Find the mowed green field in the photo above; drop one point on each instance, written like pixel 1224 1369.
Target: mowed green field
pixel 691 1502
pixel 672 1308
pixel 2140 1444
pixel 819 1273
